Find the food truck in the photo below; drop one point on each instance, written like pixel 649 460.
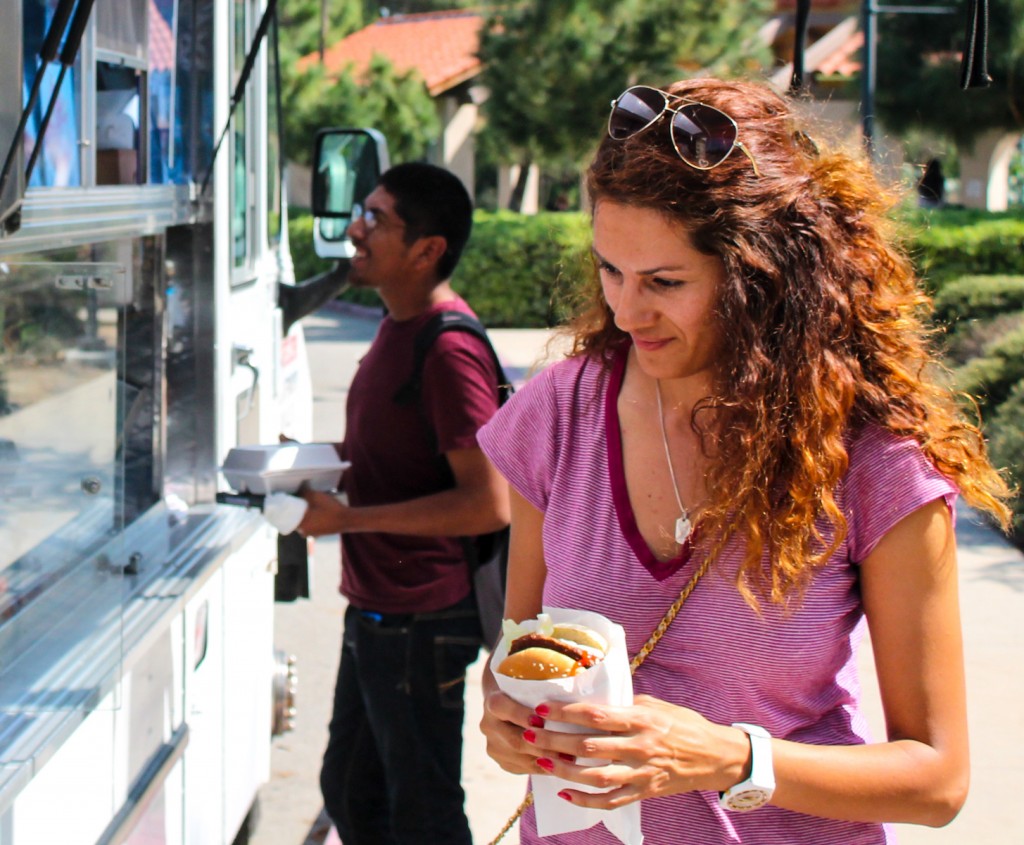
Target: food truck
pixel 149 326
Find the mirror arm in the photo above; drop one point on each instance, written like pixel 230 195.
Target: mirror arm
pixel 296 301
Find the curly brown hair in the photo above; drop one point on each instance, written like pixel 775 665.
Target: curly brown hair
pixel 826 322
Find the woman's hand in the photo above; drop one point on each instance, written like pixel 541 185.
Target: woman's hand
pixel 652 748
pixel 503 724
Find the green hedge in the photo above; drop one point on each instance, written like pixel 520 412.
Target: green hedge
pixel 978 298
pixel 946 251
pixel 517 267
pixel 991 377
pixel 1006 447
pixel 514 270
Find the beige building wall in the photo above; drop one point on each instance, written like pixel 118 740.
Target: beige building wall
pixel 456 150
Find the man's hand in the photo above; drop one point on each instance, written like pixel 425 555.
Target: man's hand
pixel 325 515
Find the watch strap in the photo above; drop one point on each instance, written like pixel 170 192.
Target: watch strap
pixel 757 789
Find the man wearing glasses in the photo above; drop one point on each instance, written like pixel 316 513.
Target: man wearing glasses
pixel 417 483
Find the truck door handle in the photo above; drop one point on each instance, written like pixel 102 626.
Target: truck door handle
pixel 241 356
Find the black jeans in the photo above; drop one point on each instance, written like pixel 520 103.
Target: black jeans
pixel 392 769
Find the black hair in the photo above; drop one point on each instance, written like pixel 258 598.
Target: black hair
pixel 431 201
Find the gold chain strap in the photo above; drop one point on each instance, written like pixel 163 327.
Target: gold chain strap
pixel 634 664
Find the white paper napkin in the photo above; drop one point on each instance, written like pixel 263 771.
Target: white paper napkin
pixel 284 512
pixel 609 682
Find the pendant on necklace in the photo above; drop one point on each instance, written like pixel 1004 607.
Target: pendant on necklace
pixel 682 529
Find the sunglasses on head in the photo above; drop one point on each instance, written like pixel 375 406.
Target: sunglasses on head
pixel 702 135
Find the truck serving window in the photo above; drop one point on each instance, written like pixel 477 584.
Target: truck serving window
pixel 79 436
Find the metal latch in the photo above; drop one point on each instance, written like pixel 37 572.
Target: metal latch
pixel 241 356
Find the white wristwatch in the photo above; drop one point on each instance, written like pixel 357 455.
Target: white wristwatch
pixel 756 790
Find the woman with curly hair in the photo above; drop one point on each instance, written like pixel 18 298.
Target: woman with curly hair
pixel 752 416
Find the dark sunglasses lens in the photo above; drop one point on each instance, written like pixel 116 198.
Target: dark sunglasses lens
pixel 635 110
pixel 703 136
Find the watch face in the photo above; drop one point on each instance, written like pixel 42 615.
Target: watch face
pixel 748 799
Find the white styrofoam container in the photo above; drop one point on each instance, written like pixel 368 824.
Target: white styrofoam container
pixel 283 468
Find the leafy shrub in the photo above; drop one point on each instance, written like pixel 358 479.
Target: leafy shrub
pixel 516 267
pixel 970 338
pixel 1006 447
pixel 990 379
pixel 513 271
pixel 992 246
pixel 979 298
pixel 976 311
pixel 951 216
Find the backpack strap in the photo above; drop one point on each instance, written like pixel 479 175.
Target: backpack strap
pixel 439 324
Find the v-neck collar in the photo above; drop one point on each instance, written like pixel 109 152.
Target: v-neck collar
pixel 660 570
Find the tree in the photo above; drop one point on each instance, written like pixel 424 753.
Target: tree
pixel 397 104
pixel 552 67
pixel 304 23
pixel 919 68
pixel 411 7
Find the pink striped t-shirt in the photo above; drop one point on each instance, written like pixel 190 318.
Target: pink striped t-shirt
pixel 792 670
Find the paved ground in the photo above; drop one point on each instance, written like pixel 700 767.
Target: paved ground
pixel 992 584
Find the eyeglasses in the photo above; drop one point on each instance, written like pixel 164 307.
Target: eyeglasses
pixel 368 216
pixel 702 135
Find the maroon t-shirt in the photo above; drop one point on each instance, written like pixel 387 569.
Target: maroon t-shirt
pixel 397 454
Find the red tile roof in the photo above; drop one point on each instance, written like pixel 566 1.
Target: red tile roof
pixel 845 61
pixel 161 40
pixel 440 45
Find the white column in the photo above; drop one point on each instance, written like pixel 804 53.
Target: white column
pixel 985 170
pixel 508 175
pixel 457 142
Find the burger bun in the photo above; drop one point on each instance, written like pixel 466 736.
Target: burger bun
pixel 581 635
pixel 538 664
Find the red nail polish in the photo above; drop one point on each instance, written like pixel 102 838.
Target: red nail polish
pixel 565 796
pixel 536 721
pixel 530 736
pixel 567 757
pixel 542 710
pixel 546 764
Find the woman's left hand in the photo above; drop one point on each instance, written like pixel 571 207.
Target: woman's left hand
pixel 652 748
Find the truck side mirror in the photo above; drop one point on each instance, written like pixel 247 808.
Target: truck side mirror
pixel 347 164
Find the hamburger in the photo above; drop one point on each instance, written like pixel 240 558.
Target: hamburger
pixel 558 650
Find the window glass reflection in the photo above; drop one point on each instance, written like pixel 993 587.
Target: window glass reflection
pixel 58 164
pixel 118 124
pixel 193 93
pixel 240 165
pixel 121 26
pixel 274 129
pixel 162 85
pixel 59 395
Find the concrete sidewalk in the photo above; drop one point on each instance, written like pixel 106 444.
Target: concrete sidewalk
pixel 992 595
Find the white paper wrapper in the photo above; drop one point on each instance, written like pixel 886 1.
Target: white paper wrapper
pixel 609 682
pixel 284 512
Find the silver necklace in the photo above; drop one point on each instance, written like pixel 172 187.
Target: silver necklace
pixel 683 525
